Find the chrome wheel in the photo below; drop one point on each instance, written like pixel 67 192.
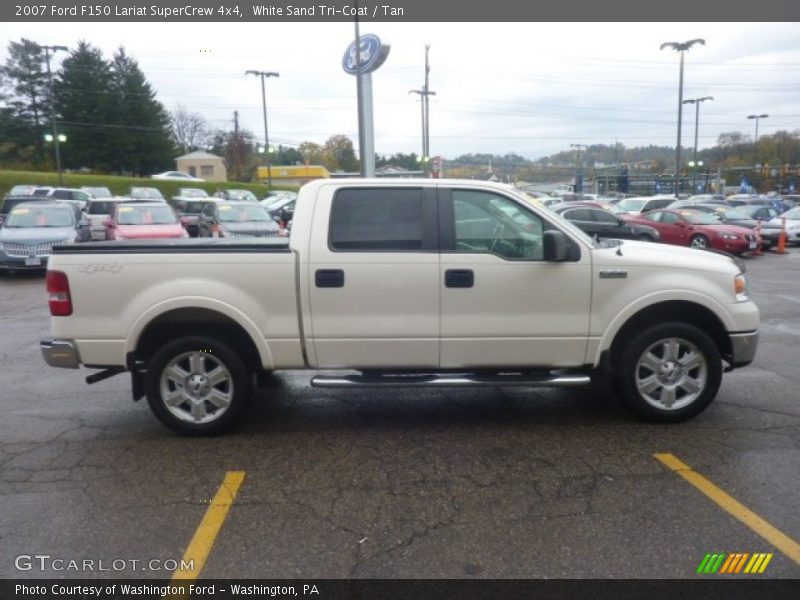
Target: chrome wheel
pixel 671 374
pixel 699 242
pixel 196 387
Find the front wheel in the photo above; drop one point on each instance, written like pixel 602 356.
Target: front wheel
pixel 669 372
pixel 197 385
pixel 700 242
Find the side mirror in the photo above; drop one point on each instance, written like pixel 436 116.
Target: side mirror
pixel 556 246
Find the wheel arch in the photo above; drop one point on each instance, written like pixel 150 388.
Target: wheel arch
pixel 683 311
pixel 169 323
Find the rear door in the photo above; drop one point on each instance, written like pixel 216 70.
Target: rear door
pixel 502 304
pixel 374 278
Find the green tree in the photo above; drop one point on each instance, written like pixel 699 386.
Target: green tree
pixel 339 154
pixel 142 119
pixel 313 154
pixel 25 95
pixel 86 107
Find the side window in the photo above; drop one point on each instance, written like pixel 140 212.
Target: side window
pixel 62 195
pixel 669 218
pixel 653 216
pixel 579 214
pixel 492 224
pixel 377 220
pixel 602 216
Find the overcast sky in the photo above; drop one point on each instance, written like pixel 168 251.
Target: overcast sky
pixel 528 88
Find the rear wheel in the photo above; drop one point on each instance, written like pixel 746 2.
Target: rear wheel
pixel 197 385
pixel 669 372
pixel 700 242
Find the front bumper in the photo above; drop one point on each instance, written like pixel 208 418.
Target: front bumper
pixel 60 353
pixel 743 348
pixel 22 263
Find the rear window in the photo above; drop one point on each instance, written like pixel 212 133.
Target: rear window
pixel 379 220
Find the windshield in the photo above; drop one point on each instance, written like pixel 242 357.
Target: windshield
pixel 242 195
pixel 145 215
pixel 40 216
pixel 141 192
pixel 631 204
pixel 192 193
pixel 699 218
pixel 231 213
pixel 98 192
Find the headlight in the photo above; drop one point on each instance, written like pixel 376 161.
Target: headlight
pixel 740 287
pixel 729 236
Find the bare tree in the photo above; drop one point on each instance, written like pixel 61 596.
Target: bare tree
pixel 189 129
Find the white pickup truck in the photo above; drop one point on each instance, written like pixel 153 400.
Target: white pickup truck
pixel 407 283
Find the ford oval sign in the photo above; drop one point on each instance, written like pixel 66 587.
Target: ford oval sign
pixel 371 55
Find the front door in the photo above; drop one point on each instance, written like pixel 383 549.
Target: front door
pixel 502 304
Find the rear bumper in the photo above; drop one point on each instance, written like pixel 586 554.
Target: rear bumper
pixel 60 353
pixel 743 348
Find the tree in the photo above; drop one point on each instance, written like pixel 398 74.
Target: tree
pixel 189 129
pixel 85 106
pixel 24 85
pixel 312 153
pixel 339 154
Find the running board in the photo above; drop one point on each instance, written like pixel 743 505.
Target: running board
pixel 454 380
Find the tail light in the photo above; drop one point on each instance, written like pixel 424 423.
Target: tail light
pixel 60 300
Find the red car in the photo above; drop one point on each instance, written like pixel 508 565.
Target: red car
pixel 143 220
pixel 697 229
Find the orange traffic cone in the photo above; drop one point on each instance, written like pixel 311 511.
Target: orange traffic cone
pixel 782 238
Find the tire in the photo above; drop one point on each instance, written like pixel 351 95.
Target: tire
pixel 700 242
pixel 669 372
pixel 197 385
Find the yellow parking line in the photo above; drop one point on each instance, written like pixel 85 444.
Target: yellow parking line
pixel 200 546
pixel 778 539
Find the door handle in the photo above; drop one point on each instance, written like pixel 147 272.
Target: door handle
pixel 459 278
pixel 329 278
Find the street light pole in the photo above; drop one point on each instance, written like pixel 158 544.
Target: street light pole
pixel 578 178
pixel 696 102
pixel 264 75
pixel 47 50
pixel 680 47
pixel 755 144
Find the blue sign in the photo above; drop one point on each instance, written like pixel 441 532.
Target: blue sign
pixel 372 54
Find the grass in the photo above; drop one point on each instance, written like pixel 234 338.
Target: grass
pixel 118 185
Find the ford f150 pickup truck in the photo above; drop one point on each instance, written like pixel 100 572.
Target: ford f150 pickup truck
pixel 402 283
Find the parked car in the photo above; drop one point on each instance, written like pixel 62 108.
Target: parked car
pixel 237 219
pixel 698 199
pixel 175 176
pixel 59 193
pixel 21 190
pixel 748 216
pixel 32 229
pixel 792 199
pixel 278 196
pixel 642 204
pixel 143 220
pixel 606 225
pixel 146 193
pixel 97 211
pixel 190 194
pixel 282 211
pixel 697 229
pixel 97 191
pixel 189 211
pixel 243 195
pixel 792 219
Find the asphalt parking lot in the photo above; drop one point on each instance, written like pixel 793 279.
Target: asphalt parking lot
pixel 489 483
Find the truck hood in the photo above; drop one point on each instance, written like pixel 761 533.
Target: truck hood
pixel 36 234
pixel 648 254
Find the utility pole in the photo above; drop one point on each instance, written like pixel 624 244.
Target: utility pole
pixel 578 178
pixel 755 144
pixel 682 48
pixel 424 94
pixel 47 50
pixel 236 151
pixel 264 75
pixel 696 102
